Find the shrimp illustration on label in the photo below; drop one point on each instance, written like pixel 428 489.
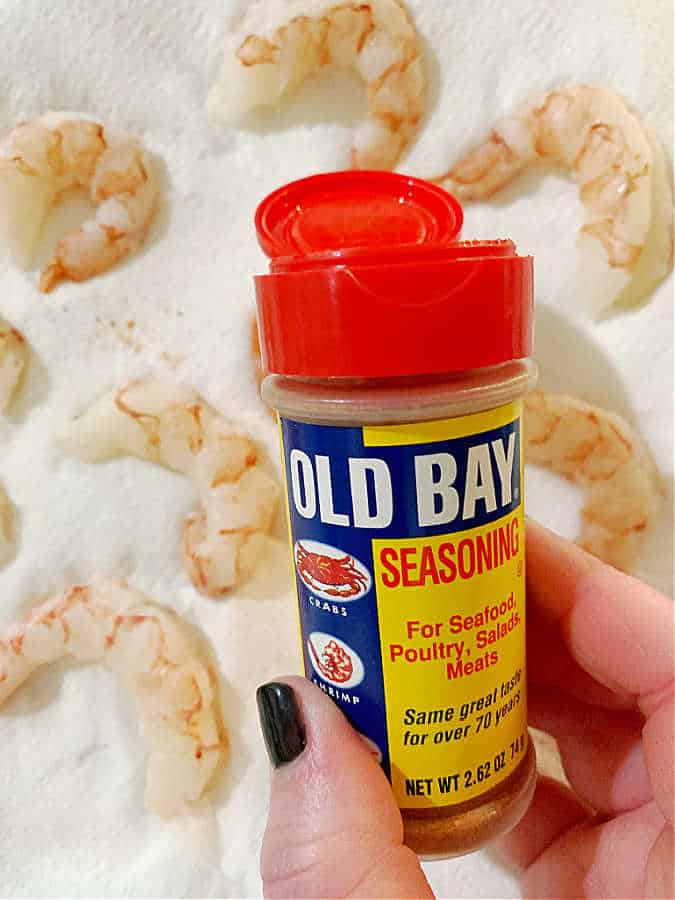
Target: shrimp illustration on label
pixel 330 572
pixel 334 660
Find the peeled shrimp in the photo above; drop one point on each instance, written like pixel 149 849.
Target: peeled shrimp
pixel 603 454
pixel 6 528
pixel 172 425
pixel 281 44
pixel 43 158
pixel 13 356
pixel 626 191
pixel 161 663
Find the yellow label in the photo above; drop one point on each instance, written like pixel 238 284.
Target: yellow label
pixel 453 659
pixel 409 550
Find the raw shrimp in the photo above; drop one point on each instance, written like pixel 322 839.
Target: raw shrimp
pixel 13 356
pixel 626 191
pixel 43 158
pixel 279 45
pixel 159 660
pixel 171 425
pixel 603 454
pixel 6 528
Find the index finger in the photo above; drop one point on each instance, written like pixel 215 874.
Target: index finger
pixel 617 629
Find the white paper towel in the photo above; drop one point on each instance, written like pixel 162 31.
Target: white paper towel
pixel 71 760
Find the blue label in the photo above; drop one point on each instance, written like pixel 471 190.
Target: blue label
pixel 347 487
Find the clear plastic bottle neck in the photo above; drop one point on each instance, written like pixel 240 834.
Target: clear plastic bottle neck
pixel 361 401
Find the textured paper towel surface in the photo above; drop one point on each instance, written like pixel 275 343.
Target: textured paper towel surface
pixel 71 766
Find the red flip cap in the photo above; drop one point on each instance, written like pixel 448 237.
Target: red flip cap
pixel 367 280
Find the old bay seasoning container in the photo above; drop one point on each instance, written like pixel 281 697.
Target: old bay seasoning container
pixel 397 359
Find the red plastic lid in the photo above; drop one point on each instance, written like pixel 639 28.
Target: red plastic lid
pixel 367 280
pixel 355 211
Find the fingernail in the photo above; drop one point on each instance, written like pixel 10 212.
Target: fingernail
pixel 281 722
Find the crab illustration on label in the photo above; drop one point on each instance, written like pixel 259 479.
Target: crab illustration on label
pixel 330 572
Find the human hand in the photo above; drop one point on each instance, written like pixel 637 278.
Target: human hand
pixel 600 679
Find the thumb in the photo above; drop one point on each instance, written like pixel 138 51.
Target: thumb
pixel 334 829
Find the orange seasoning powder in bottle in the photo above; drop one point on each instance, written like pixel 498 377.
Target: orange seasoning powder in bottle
pixel 397 360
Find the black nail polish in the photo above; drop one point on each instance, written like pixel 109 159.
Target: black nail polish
pixel 281 722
